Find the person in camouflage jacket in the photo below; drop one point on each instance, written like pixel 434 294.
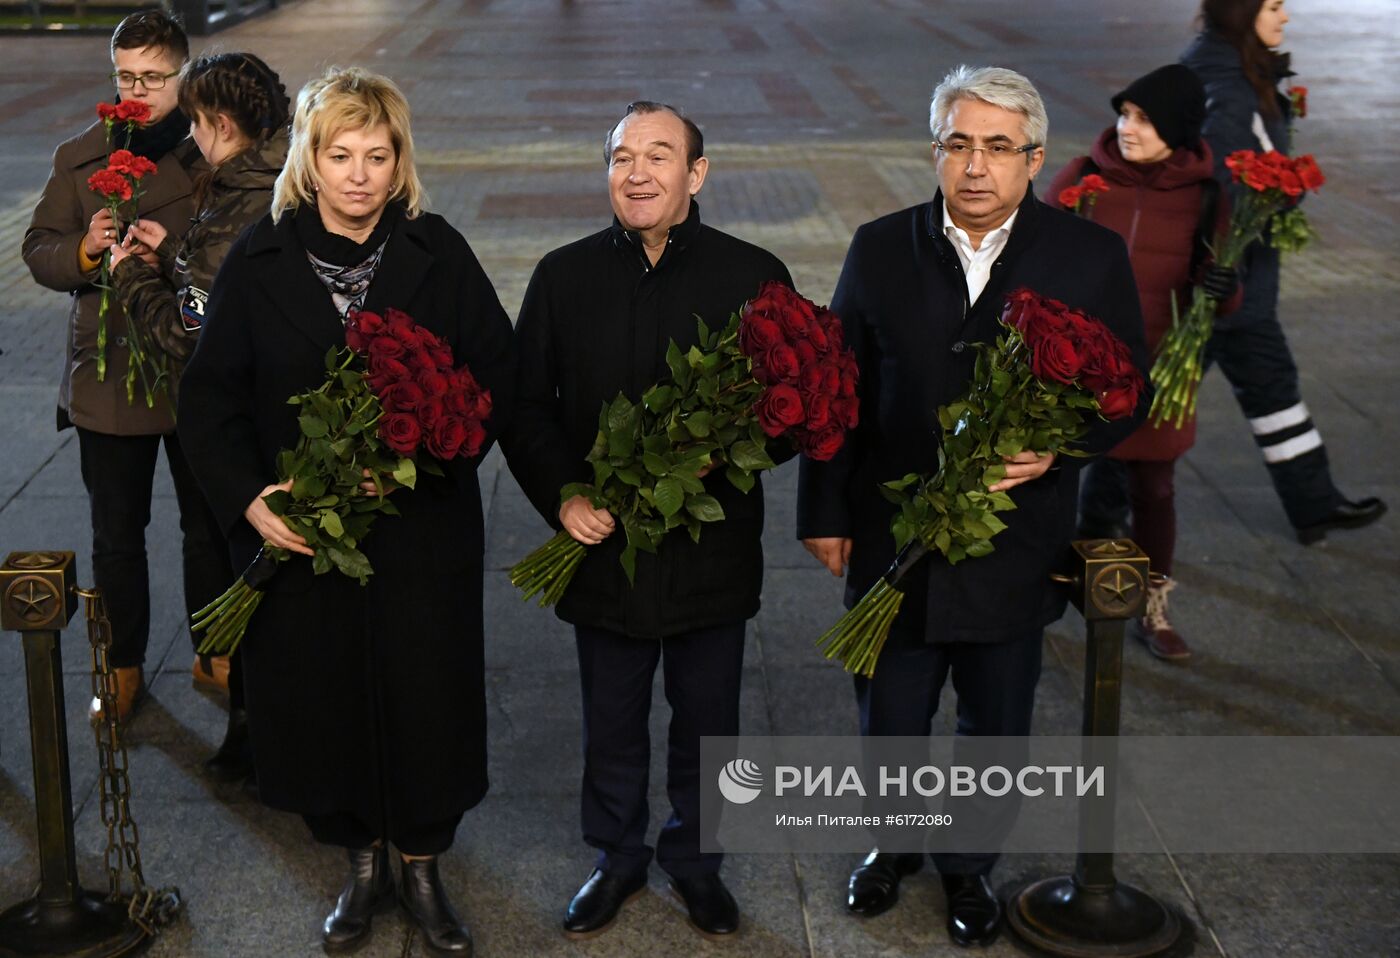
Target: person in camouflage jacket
pixel 239 115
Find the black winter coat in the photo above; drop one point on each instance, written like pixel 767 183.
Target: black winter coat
pixel 596 321
pixel 903 301
pixel 1231 108
pixel 361 699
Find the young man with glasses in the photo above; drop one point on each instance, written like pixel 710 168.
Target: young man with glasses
pixel 918 288
pixel 118 440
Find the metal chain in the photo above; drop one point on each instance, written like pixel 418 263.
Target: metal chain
pixel 150 908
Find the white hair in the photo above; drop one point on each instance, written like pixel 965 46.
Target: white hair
pixel 995 85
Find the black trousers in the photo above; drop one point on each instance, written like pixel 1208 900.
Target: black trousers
pixel 118 472
pixel 347 831
pixel 701 672
pixel 995 685
pixel 1257 361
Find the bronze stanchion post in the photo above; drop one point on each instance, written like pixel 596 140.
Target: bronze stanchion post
pixel 1090 914
pixel 37 598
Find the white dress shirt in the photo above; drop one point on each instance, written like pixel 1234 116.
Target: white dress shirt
pixel 977 263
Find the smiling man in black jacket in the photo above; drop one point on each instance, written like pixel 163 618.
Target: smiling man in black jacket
pixel 918 287
pixel 596 320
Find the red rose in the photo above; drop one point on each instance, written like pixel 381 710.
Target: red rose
pixel 811 379
pixel 831 380
pixel 434 383
pixel 1056 359
pixel 386 347
pixel 831 325
pixel 409 335
pixel 762 374
pixel 402 396
pixel 821 446
pixel 400 432
pixel 817 335
pixel 850 377
pixel 371 324
pixel 476 438
pixel 846 412
pixel 133 111
pixel 386 370
pixel 441 354
pixel 446 438
pixel 782 362
pixel 806 352
pixel 818 409
pixel 757 334
pixel 796 322
pixel 779 409
pixel 431 410
pixel 1118 402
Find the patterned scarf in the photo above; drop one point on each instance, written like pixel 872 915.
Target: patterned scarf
pixel 348 284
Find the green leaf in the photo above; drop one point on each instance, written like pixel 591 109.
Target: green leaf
pixel 278 501
pixel 750 455
pixel 698 424
pixel 406 472
pixel 312 426
pixel 705 507
pixel 669 497
pixel 620 414
pixel 350 561
pixel 741 479
pixel 659 398
pixel 655 465
pixel 629 476
pixel 331 523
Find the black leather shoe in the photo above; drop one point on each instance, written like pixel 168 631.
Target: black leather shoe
pixel 597 903
pixel 974 913
pixel 1347 515
pixel 369 890
pixel 424 901
pixel 233 762
pixel 874 885
pixel 713 911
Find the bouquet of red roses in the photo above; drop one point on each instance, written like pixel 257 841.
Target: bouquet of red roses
pixel 1033 389
pixel 1275 184
pixel 119 185
pixel 389 395
pixel 778 369
pixel 1081 196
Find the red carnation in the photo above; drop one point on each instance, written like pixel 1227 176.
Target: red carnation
pixel 137 112
pixel 107 112
pixel 779 409
pixel 400 432
pixel 128 163
pixel 110 184
pixel 1070 196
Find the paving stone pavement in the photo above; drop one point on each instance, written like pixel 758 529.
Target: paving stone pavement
pixel 815 115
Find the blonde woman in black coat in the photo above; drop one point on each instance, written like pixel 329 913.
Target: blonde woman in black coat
pixel 366 704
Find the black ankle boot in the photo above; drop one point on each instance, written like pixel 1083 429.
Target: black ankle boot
pixel 369 890
pixel 233 761
pixel 425 902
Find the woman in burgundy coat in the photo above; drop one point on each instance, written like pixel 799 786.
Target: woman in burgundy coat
pixel 1165 204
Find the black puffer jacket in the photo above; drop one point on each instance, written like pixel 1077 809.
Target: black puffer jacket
pixel 596 321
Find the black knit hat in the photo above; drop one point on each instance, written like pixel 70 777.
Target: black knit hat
pixel 1173 99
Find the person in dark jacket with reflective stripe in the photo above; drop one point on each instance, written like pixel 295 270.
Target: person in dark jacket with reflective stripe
pixel 917 288
pixel 1235 61
pixel 239 113
pixel 596 320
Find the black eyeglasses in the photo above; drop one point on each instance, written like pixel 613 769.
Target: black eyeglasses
pixel 151 81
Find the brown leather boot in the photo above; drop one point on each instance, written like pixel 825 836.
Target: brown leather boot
pixel 211 673
pixel 1154 629
pixel 131 686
